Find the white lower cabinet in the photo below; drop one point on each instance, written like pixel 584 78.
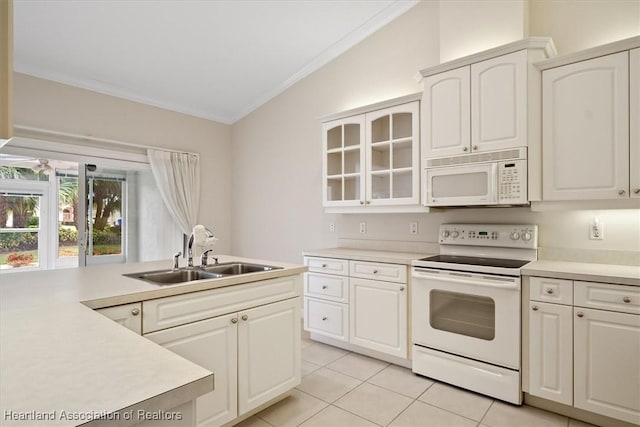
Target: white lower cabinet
pixel 551 351
pixel 212 344
pixel 607 363
pixel 254 351
pixel 362 303
pixel 378 316
pixel 585 357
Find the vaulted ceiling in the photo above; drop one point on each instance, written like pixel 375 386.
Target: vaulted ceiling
pixel 215 59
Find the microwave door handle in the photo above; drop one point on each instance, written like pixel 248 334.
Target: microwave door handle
pixel 493 183
pixel 484 282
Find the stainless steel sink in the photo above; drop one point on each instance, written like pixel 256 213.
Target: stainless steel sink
pixel 235 268
pixel 171 277
pixel 190 274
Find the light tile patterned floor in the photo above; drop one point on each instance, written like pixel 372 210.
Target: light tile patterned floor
pixel 344 389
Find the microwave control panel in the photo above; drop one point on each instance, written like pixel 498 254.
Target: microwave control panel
pixel 512 178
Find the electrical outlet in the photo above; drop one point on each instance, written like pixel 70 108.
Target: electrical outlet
pixel 363 227
pixel 596 230
pixel 413 227
pixel 332 227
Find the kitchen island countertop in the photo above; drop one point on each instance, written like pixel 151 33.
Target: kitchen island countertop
pixel 63 364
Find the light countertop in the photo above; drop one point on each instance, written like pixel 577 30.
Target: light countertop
pixel 609 273
pixel 367 255
pixel 57 354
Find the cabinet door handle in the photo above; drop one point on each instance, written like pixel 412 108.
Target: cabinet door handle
pixel 362 202
pixel 621 192
pixel 234 320
pixel 534 308
pixel 465 149
pixel 375 271
pixel 626 299
pixel 475 147
pixel 324 265
pixel 549 291
pixel 636 191
pixel 324 318
pixel 401 289
pixel 135 311
pixel 324 286
pixel 245 317
pixel 580 314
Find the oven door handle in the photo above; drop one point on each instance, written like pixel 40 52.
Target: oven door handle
pixel 481 281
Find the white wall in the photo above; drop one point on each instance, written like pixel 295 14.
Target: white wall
pixel 53 106
pixel 277 149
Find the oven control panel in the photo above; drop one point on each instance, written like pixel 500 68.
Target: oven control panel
pixel 499 235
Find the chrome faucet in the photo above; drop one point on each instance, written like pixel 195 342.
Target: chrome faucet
pixel 204 259
pixel 190 247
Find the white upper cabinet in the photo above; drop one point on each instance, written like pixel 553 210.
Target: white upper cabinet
pixel 586 129
pixel 634 114
pixel 483 102
pixel 499 103
pixel 446 123
pixel 6 70
pixel 372 158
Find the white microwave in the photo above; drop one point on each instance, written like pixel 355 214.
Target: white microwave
pixel 485 179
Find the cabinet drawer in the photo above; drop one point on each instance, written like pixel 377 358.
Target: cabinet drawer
pixel 625 299
pixel 128 315
pixel 559 291
pixel 326 318
pixel 326 286
pixel 177 310
pixel 377 271
pixel 327 265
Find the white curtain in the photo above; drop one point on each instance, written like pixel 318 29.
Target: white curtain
pixel 178 178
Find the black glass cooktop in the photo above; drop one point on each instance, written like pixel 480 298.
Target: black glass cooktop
pixel 468 260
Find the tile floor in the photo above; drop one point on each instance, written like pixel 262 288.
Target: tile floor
pixel 344 389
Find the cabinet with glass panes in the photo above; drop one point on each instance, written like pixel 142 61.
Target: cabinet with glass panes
pixel 371 159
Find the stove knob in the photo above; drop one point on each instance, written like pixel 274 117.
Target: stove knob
pixel 514 235
pixel 445 234
pixel 455 234
pixel 526 236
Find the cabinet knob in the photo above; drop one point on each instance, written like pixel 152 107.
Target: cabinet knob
pixel 534 308
pixel 234 320
pixel 621 192
pixel 401 289
pixel 362 202
pixel 368 202
pixel 549 291
pixel 324 318
pixel 475 147
pixel 135 311
pixel 245 317
pixel 465 149
pixel 324 286
pixel 636 191
pixel 580 314
pixel 324 265
pixel 626 299
pixel 375 271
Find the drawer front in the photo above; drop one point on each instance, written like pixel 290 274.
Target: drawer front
pixel 559 291
pixel 327 265
pixel 606 296
pixel 327 318
pixel 326 286
pixel 378 271
pixel 177 310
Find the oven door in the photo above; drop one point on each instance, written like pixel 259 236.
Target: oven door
pixel 462 185
pixel 471 315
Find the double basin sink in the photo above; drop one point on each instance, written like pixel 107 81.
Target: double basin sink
pixel 190 274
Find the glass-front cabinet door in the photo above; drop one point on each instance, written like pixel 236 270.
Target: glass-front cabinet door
pixel 393 155
pixel 344 162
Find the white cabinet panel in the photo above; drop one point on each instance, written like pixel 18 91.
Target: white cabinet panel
pixel 586 129
pixel 327 286
pixel 327 318
pixel 128 315
pixel 551 352
pixel 499 102
pixel 327 265
pixel 446 112
pixel 607 296
pixel 268 353
pixel 378 271
pixel 211 344
pixel 558 291
pixel 634 124
pixel 378 316
pixel 607 363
